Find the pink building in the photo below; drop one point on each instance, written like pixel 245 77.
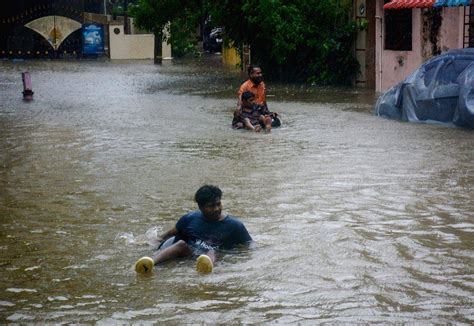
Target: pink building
pixel 402 34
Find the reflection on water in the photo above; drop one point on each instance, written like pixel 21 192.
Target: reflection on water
pixel 356 218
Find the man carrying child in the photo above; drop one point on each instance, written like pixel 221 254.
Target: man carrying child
pixel 252 111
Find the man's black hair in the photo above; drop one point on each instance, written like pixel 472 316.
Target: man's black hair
pixel 251 68
pixel 207 194
pixel 247 95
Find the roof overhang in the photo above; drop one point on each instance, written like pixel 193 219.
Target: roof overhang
pixel 410 4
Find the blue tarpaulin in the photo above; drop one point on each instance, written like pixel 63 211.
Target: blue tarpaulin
pixel 451 3
pixel 441 90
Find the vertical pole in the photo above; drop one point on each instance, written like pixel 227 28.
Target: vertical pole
pixel 250 55
pixel 158 56
pixel 126 26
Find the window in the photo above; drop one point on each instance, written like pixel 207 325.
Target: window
pixel 468 27
pixel 398 29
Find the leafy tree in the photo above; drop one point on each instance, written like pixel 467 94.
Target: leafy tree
pixel 299 40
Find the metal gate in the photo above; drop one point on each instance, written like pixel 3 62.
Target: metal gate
pixel 40 28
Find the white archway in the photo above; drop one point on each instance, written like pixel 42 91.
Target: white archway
pixel 55 29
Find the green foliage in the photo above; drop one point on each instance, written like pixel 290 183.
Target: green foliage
pixel 117 11
pixel 298 40
pixel 182 38
pixel 363 24
pixel 179 18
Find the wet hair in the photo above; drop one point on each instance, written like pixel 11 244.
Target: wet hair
pixel 207 194
pixel 251 68
pixel 247 95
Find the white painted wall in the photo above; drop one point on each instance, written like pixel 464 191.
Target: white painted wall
pixel 132 46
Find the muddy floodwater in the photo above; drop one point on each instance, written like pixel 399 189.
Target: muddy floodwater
pixel 356 219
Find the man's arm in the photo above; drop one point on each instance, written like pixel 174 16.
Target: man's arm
pixel 238 112
pixel 242 89
pixel 241 235
pixel 168 234
pixel 245 236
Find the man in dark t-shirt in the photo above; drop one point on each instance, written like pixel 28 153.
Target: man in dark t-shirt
pixel 199 233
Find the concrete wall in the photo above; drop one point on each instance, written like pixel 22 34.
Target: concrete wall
pixel 166 51
pixel 394 66
pixel 370 43
pixel 230 56
pixel 122 46
pixel 450 37
pixel 90 17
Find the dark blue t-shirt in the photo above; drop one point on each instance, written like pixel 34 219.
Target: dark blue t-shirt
pixel 198 231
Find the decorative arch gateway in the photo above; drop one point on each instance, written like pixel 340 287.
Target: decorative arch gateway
pixel 41 28
pixel 55 29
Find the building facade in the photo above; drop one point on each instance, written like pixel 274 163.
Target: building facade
pixel 399 35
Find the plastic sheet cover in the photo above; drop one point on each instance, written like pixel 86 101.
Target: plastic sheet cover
pixel 441 90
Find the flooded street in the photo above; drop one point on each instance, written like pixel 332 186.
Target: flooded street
pixel 357 219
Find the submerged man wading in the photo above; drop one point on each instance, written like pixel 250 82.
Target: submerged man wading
pixel 199 233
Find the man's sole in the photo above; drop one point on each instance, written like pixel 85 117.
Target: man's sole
pixel 144 265
pixel 204 264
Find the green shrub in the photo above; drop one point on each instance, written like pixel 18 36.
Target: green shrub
pixel 293 40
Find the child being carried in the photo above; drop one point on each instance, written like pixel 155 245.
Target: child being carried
pixel 251 115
